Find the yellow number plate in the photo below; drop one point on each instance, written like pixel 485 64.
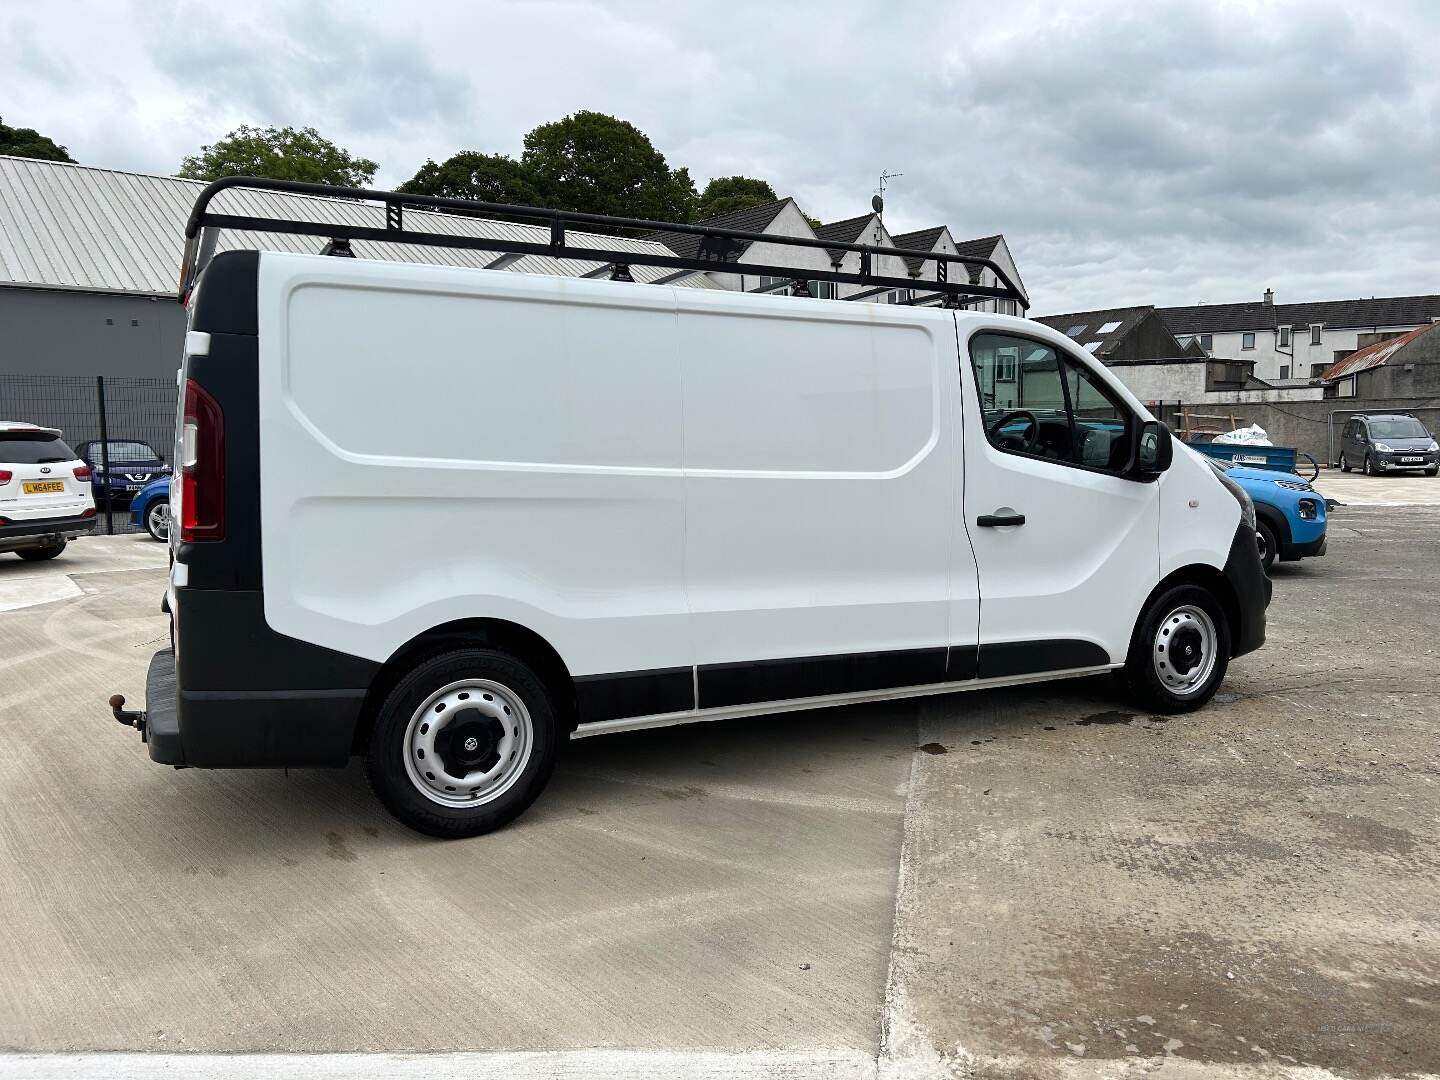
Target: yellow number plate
pixel 43 487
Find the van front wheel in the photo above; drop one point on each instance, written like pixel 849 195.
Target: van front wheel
pixel 1180 651
pixel 463 743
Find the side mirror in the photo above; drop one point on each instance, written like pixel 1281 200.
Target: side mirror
pixel 1153 452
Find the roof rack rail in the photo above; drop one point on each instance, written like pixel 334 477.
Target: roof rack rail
pixel 718 247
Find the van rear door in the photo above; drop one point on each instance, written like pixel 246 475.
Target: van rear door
pixel 1067 547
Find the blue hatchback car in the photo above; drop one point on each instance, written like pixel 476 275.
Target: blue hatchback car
pixel 133 464
pixel 150 509
pixel 1290 515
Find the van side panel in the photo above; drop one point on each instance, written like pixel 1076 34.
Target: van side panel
pixel 820 491
pixel 442 444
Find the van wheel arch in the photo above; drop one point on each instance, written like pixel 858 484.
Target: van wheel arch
pixel 1209 578
pixel 519 641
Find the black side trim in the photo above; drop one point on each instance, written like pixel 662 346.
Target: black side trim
pixel 962 663
pixel 634 693
pixel 226 298
pixel 1033 657
pixel 818 676
pixel 241 730
pixel 1278 522
pixel 1252 591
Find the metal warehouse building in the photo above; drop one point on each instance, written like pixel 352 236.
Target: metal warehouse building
pixel 89 262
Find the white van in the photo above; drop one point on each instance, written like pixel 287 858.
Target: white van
pixel 448 518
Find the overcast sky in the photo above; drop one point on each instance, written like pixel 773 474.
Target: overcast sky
pixel 1130 152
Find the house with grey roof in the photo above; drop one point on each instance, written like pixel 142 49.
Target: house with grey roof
pixel 784 217
pixel 1289 342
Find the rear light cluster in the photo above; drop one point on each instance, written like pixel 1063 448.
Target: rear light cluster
pixel 82 472
pixel 89 513
pixel 202 467
pixel 6 476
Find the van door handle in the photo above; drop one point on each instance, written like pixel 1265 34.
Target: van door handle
pixel 993 521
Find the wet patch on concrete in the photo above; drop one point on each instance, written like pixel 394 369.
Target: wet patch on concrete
pixel 935 748
pixel 1366 834
pixel 1110 716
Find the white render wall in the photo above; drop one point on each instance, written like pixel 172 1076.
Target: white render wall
pixel 1185 382
pixel 789 222
pixel 1269 359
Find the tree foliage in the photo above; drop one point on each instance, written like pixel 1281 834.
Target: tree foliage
pixel 472 175
pixel 597 164
pixel 281 154
pixel 29 143
pixel 726 194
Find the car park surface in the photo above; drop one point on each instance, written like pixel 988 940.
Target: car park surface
pixel 1238 891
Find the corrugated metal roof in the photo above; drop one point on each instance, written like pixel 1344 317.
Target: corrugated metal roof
pixel 1372 356
pixel 66 226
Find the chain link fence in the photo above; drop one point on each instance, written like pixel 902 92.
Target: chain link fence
pixel 124 428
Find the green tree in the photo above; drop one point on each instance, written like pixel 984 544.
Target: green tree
pixel 726 194
pixel 472 175
pixel 597 164
pixel 281 154
pixel 29 143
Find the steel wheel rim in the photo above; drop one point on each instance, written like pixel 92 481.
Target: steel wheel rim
pixel 1262 543
pixel 158 518
pixel 484 719
pixel 1185 650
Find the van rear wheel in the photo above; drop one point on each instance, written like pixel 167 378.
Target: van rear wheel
pixel 463 743
pixel 1180 651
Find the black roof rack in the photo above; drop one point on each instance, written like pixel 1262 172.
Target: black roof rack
pixel 718 247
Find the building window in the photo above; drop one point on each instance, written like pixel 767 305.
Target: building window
pixel 1284 371
pixel 1247 341
pixel 1284 337
pixel 1207 342
pixel 1315 333
pixel 822 290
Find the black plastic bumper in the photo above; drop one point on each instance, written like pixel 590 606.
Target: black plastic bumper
pixel 63 526
pixel 1252 587
pixel 1304 551
pixel 239 695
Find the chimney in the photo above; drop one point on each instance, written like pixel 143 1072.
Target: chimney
pixel 1269 297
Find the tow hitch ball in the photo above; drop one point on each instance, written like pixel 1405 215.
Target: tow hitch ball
pixel 129 717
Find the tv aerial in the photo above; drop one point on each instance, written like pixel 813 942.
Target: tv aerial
pixel 877 201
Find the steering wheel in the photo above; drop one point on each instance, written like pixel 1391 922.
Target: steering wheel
pixel 1031 441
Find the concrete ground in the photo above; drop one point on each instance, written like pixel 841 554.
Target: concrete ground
pixel 1083 890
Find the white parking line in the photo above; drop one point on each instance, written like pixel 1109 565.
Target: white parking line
pixel 506 1065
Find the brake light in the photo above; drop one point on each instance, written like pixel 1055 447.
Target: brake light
pixel 6 476
pixel 202 467
pixel 89 513
pixel 82 472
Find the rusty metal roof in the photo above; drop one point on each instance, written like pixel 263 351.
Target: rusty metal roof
pixel 1372 356
pixel 65 226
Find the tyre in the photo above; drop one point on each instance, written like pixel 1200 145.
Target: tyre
pixel 1344 465
pixel 1370 467
pixel 1180 651
pixel 157 520
pixel 1265 537
pixel 37 554
pixel 1432 472
pixel 463 743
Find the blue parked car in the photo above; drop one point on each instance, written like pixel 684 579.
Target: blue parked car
pixel 133 464
pixel 150 509
pixel 1290 515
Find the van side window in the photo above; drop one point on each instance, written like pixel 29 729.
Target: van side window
pixel 1039 404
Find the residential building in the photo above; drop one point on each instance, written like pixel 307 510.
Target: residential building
pixel 1297 341
pixel 994 248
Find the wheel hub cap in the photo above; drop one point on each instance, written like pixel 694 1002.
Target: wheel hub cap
pixel 468 742
pixel 1185 650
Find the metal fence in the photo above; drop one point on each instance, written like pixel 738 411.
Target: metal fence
pixel 101 410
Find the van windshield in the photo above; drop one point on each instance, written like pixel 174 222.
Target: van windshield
pixel 41 448
pixel 1404 427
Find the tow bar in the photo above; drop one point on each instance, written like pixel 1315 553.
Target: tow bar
pixel 129 717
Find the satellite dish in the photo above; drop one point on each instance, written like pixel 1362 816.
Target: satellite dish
pixel 877 204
